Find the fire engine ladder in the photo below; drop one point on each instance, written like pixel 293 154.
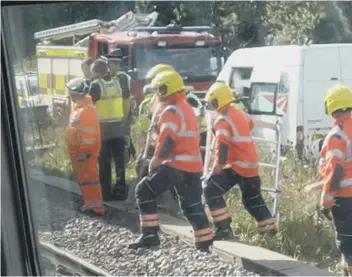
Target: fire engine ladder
pixel 126 22
pixel 273 191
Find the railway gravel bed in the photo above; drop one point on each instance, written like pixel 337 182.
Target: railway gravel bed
pixel 103 242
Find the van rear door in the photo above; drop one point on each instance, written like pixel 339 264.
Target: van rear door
pixel 321 70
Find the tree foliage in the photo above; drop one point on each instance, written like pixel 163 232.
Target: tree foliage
pixel 238 23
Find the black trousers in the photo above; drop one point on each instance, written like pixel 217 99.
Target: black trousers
pixel 342 217
pixel 187 186
pixel 219 184
pixel 112 149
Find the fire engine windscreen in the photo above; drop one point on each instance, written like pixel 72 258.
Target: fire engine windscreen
pixel 262 100
pixel 194 64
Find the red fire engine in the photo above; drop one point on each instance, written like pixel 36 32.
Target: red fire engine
pixel 193 51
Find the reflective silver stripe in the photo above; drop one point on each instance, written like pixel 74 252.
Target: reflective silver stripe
pixel 188 134
pixel 89 130
pixel 245 164
pixel 183 132
pixel 223 132
pixel 186 158
pixel 242 139
pixel 169 125
pixel 229 121
pixel 116 119
pixel 88 141
pixel 89 183
pixel 335 153
pixel 236 137
pixel 338 131
pixel 346 183
pixel 328 197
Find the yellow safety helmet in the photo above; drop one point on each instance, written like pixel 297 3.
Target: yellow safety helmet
pixel 167 83
pixel 157 69
pixel 337 98
pixel 219 95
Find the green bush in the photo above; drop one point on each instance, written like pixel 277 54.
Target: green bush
pixel 303 234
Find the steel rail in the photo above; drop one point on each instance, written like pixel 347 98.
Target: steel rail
pixel 71 262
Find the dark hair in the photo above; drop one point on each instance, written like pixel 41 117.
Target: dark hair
pixel 100 66
pixel 88 61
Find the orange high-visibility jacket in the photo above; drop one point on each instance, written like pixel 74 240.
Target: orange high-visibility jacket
pixel 337 149
pixel 178 121
pixel 233 128
pixel 83 132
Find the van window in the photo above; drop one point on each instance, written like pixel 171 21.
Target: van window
pixel 240 77
pixel 262 98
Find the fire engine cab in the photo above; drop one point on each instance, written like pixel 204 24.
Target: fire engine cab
pixel 193 51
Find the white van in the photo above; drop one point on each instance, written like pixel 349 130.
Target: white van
pixel 288 84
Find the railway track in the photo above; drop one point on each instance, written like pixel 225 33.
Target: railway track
pixel 57 260
pixel 98 246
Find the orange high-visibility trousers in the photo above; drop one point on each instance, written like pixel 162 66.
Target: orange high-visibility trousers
pixel 87 176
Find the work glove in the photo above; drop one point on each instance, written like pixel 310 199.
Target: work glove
pixel 326 212
pixel 205 177
pixel 153 165
pixel 217 169
pixel 84 156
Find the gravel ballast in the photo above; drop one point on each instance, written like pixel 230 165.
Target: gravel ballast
pixel 104 243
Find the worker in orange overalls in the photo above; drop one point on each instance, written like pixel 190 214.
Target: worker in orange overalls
pixel 337 170
pixel 83 142
pixel 176 163
pixel 236 162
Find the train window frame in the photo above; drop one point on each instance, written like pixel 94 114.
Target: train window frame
pixel 19 249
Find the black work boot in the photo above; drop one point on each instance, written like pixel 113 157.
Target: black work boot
pixel 146 239
pixel 120 193
pixel 204 246
pixel 224 231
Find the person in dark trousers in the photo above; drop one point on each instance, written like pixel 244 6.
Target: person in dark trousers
pixel 114 63
pixel 109 99
pixel 336 170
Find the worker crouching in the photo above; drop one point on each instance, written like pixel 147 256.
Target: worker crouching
pixel 176 163
pixel 83 142
pixel 236 162
pixel 337 171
